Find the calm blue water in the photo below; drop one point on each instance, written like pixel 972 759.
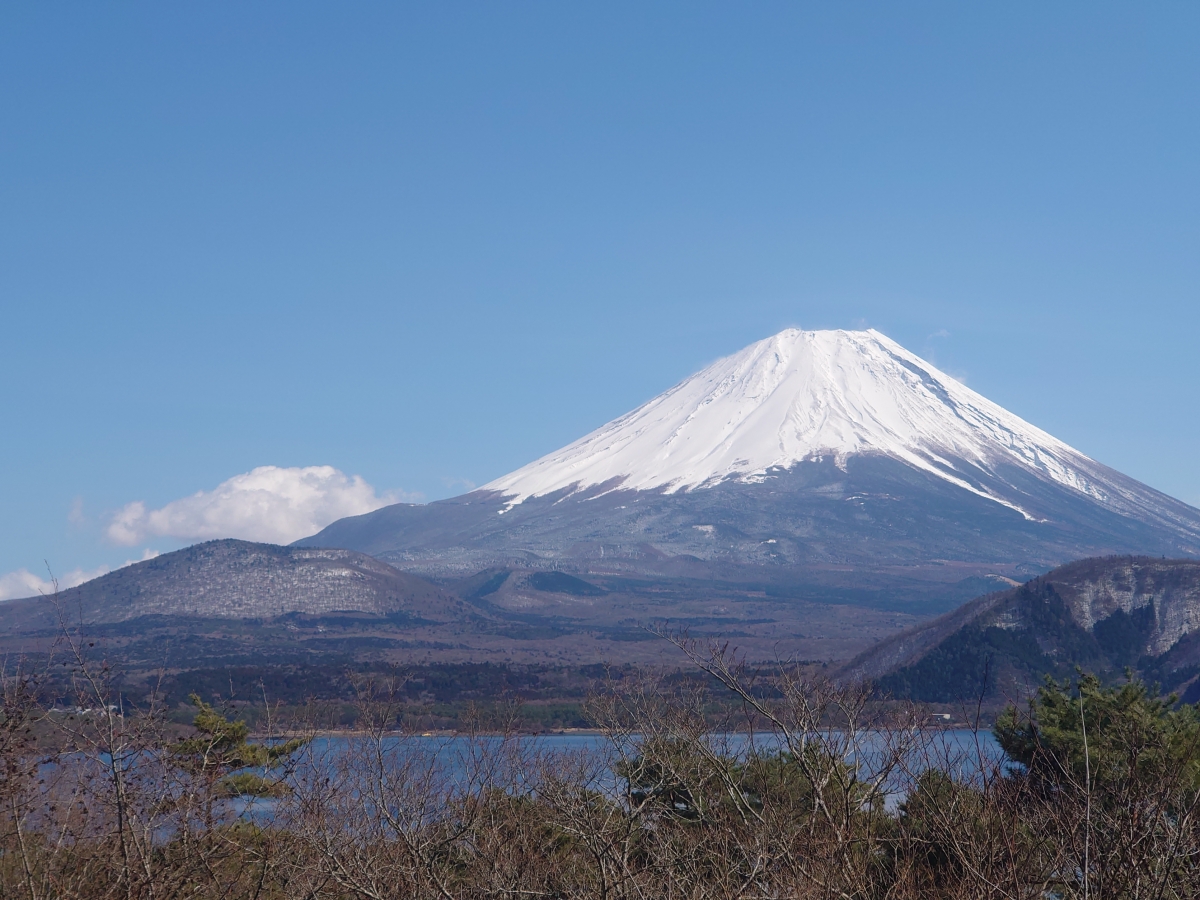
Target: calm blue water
pixel 448 746
pixel 460 760
pixel 453 750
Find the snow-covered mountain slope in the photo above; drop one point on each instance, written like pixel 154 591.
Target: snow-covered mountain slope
pixel 809 395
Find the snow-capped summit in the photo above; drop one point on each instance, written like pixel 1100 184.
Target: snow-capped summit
pixel 805 395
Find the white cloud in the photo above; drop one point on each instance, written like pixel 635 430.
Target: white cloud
pixel 23 583
pixel 270 504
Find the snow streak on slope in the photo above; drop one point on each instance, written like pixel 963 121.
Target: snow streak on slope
pixel 804 395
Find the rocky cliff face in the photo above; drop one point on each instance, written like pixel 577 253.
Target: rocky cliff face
pixel 1101 614
pixel 1169 589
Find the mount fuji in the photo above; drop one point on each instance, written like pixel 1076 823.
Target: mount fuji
pixel 802 396
pixel 819 465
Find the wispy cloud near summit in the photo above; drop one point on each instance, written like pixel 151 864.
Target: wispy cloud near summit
pixel 270 503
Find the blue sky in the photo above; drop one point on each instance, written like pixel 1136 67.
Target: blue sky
pixel 426 244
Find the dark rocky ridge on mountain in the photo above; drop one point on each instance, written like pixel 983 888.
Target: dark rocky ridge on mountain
pixel 238 603
pixel 874 529
pixel 1102 615
pixel 239 580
